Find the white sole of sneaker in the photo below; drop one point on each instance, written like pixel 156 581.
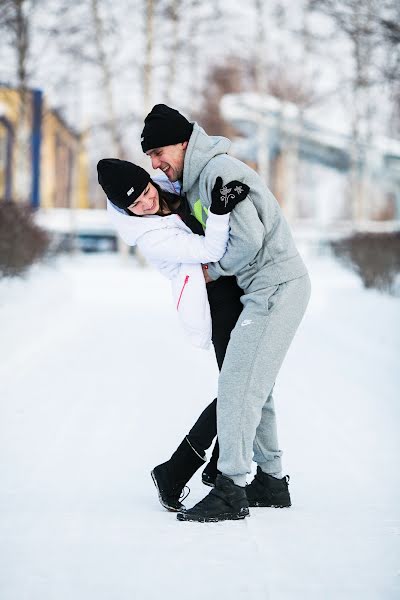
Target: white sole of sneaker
pixel 182 516
pixel 264 505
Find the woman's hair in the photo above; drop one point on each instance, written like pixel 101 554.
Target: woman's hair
pixel 169 203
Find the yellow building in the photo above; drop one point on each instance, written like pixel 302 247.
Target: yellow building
pixel 42 159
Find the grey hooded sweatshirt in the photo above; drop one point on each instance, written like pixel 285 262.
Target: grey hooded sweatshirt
pixel 261 251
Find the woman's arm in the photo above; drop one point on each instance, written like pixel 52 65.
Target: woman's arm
pixel 173 244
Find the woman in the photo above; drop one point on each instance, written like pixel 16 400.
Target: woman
pixel 164 236
pixel 165 240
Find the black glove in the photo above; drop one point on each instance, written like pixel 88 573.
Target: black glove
pixel 225 197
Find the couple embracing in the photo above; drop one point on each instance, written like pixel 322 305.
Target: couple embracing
pixel 215 230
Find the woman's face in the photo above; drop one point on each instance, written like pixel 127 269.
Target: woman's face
pixel 147 203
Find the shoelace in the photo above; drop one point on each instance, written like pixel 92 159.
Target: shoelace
pixel 182 495
pixel 178 493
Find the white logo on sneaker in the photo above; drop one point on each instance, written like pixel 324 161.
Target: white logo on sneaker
pixel 246 322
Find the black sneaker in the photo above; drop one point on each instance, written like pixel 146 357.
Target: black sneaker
pixel 225 502
pixel 266 490
pixel 170 493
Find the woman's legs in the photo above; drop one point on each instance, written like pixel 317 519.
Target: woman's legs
pixel 170 477
pixel 205 429
pixel 225 306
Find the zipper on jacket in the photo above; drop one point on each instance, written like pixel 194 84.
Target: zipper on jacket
pixel 183 287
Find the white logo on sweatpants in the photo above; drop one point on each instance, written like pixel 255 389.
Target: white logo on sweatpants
pixel 246 322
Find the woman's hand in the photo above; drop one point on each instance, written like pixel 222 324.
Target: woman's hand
pixel 225 197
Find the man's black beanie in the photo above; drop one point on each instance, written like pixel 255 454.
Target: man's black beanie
pixel 164 126
pixel 122 181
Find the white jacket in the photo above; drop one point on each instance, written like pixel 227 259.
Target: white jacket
pixel 169 245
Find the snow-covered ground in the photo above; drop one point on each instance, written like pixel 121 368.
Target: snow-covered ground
pixel 97 386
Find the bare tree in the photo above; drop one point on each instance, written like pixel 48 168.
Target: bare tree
pixel 294 84
pixel 173 12
pixel 15 23
pixel 225 78
pixel 116 138
pixel 148 63
pixel 359 21
pixel 199 30
pixel 390 43
pixel 261 86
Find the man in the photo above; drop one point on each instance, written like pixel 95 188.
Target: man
pixel 263 257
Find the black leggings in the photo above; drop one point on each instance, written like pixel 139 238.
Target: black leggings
pixel 225 307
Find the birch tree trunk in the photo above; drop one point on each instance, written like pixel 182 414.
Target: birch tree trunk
pixel 293 150
pixel 175 49
pixel 261 84
pixel 192 46
pixel 116 138
pixel 148 63
pixel 22 159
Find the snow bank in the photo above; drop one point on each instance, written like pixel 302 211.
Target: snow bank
pixel 97 386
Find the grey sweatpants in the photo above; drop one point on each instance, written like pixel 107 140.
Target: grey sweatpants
pixel 246 419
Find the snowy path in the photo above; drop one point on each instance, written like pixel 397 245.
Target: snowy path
pixel 97 386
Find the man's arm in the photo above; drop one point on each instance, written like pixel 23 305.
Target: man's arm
pixel 246 238
pixel 247 231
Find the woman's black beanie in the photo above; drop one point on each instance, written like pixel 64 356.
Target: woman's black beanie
pixel 164 126
pixel 121 180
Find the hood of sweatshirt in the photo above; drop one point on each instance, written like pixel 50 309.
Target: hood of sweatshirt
pixel 132 228
pixel 201 149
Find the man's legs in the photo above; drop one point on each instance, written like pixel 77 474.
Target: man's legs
pixel 269 487
pixel 255 353
pixel 268 457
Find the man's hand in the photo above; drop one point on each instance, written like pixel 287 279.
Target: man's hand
pixel 225 197
pixel 207 278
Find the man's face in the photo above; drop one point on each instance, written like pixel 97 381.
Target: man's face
pixel 169 159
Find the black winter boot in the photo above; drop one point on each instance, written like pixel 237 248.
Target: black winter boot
pixel 225 502
pixel 266 490
pixel 209 475
pixel 171 477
